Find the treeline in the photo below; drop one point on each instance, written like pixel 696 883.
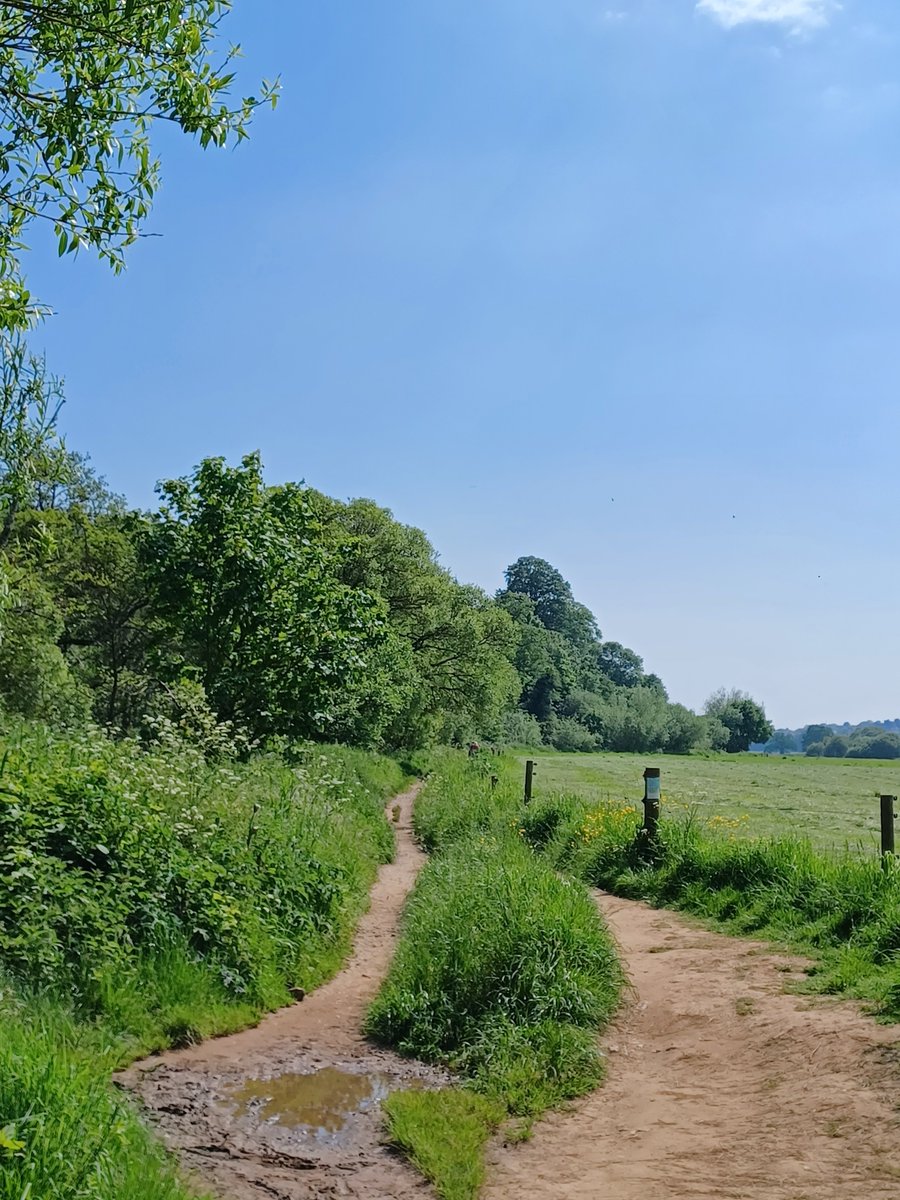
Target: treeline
pixel 579 692
pixel 824 741
pixel 255 612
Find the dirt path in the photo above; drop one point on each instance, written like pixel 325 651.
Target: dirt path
pixel 721 1085
pixel 288 1110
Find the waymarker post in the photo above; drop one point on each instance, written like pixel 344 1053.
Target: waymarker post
pixel 887 827
pixel 652 792
pixel 529 779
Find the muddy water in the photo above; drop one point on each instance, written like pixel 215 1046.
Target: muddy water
pixel 325 1104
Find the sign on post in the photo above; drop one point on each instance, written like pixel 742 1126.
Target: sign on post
pixel 652 793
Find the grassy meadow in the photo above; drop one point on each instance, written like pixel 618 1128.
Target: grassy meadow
pixel 832 802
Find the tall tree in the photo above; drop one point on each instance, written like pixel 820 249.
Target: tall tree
pixel 445 663
pixel 550 594
pixel 815 733
pixel 742 717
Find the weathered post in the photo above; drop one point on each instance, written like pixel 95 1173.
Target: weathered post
pixel 651 801
pixel 529 778
pixel 887 827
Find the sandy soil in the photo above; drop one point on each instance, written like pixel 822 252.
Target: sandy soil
pixel 209 1102
pixel 721 1085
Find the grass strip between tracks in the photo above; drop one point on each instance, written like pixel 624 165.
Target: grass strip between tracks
pixel 505 972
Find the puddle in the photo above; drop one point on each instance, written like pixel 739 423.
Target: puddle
pixel 323 1102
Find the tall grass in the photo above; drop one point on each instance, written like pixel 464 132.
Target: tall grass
pixel 151 898
pixel 505 971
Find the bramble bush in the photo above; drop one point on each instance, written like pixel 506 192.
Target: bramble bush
pixel 115 859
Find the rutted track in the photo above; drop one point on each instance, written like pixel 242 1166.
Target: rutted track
pixel 188 1094
pixel 721 1085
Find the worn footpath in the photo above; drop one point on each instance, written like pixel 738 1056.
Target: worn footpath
pixel 289 1109
pixel 721 1085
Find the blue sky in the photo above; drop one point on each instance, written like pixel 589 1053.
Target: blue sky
pixel 615 283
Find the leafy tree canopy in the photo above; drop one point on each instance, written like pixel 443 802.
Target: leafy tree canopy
pixel 249 589
pixel 550 594
pixel 815 733
pixel 81 84
pixel 743 718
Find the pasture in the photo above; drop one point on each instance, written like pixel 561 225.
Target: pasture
pixel 833 802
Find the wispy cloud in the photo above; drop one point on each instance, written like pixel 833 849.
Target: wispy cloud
pixel 796 15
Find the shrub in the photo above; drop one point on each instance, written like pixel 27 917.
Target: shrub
pixel 119 866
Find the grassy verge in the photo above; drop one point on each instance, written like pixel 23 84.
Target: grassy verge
pixel 842 909
pixel 504 972
pixel 148 899
pixel 445 1134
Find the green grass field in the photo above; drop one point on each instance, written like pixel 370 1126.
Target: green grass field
pixel 833 802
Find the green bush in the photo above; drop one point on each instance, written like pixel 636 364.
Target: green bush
pixel 115 860
pixel 150 898
pixel 501 960
pixel 505 972
pixel 460 798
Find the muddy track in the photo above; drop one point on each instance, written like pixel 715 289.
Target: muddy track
pixel 721 1085
pixel 233 1109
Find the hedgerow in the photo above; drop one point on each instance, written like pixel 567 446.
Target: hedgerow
pixel 149 897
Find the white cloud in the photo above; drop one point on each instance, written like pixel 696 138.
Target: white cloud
pixel 797 15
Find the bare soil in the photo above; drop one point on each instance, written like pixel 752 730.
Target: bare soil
pixel 236 1109
pixel 721 1085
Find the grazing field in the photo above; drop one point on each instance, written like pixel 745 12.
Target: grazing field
pixel 831 801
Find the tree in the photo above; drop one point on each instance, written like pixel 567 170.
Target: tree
pixel 782 741
pixel 872 742
pixel 248 586
pixel 814 733
pixel 620 664
pixel 102 596
pixel 684 729
pixel 744 719
pixel 545 587
pixel 445 663
pixel 30 452
pixel 836 747
pixel 81 84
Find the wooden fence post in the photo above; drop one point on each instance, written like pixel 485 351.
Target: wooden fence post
pixel 651 801
pixel 529 777
pixel 887 827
